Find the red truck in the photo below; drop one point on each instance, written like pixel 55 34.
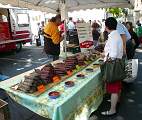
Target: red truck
pixel 15 29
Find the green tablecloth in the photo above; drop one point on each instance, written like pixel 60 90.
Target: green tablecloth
pixel 75 103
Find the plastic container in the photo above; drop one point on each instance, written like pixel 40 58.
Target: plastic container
pixel 54 94
pixel 89 70
pixel 80 76
pixel 69 84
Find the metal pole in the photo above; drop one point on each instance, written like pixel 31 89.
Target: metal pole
pixel 63 7
pixel 65 39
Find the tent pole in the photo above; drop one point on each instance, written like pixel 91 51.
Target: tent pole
pixel 64 13
pixel 65 39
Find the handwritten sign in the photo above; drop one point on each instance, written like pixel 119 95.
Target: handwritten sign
pixel 85 36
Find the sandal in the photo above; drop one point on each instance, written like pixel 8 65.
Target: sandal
pixel 107 113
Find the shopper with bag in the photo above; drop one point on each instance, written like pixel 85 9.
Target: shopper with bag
pixel 113 64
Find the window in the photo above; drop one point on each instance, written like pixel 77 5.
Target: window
pixel 23 20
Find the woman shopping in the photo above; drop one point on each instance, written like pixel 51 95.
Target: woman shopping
pixel 95 33
pixel 131 47
pixel 52 38
pixel 113 50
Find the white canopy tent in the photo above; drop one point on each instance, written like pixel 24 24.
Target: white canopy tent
pixel 51 6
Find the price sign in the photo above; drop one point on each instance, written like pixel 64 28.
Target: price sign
pixel 85 36
pixel 41 88
pixel 56 79
pixel 69 73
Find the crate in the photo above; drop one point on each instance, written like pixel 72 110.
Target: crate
pixel 75 50
pixel 4 111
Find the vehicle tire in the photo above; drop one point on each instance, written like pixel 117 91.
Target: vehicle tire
pixel 18 47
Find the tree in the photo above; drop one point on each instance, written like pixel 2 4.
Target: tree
pixel 125 13
pixel 116 12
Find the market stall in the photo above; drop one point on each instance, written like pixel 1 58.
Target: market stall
pixel 76 101
pixel 63 6
pixel 73 102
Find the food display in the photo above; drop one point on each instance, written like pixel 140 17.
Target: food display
pixel 30 83
pixel 54 94
pixel 69 84
pixel 80 59
pixel 96 65
pixel 101 61
pixel 42 79
pixel 68 64
pixel 94 51
pixel 60 69
pixel 37 78
pixel 100 48
pixel 71 63
pixel 80 75
pixel 89 56
pixel 89 70
pixel 46 73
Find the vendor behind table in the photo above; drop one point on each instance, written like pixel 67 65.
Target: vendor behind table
pixel 52 38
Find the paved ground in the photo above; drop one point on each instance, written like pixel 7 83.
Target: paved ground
pixel 130 107
pixel 12 64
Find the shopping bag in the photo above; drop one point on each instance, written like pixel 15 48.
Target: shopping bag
pixel 113 70
pixel 131 70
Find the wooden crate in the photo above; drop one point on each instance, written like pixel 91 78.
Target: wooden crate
pixel 73 48
pixel 4 111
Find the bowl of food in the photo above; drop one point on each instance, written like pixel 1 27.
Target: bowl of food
pixel 69 84
pixel 100 61
pixel 95 64
pixel 82 76
pixel 54 94
pixel 89 70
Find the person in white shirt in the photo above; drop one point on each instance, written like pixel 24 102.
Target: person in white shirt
pixel 125 35
pixel 70 25
pixel 113 49
pixel 42 33
pixel 123 30
pixel 114 45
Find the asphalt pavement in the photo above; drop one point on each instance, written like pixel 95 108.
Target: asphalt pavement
pixel 12 64
pixel 130 107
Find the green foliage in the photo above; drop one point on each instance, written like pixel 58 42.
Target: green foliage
pixel 116 12
pixel 125 12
